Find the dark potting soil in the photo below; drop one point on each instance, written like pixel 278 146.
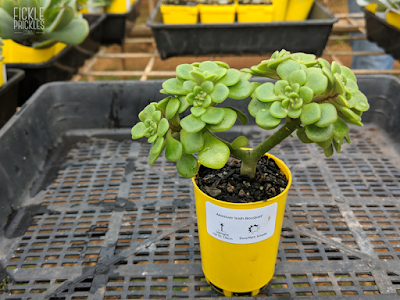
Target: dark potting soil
pixel 228 185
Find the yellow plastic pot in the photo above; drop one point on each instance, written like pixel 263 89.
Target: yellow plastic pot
pixel 217 13
pixel 3 75
pixel 119 6
pixel 262 13
pixel 238 247
pixel 371 7
pixel 297 10
pixel 17 53
pixel 179 14
pixel 393 19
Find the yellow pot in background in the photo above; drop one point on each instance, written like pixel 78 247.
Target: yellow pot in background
pixel 250 13
pixel 233 260
pixel 217 13
pixel 298 10
pixel 3 75
pixel 120 6
pixel 179 14
pixel 17 53
pixel 393 19
pixel 371 7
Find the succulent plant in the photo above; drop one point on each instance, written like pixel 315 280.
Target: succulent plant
pixel 60 22
pixel 314 97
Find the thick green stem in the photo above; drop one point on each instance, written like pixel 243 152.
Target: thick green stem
pixel 250 158
pixel 249 164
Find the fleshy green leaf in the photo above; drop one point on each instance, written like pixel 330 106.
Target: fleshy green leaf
pixel 184 104
pixel 277 110
pixel 163 127
pixel 222 64
pixel 255 106
pixel 240 142
pixel 220 93
pixel 351 86
pixel 172 107
pixel 286 68
pixel 207 86
pixel 361 101
pixel 342 101
pixel 215 153
pixel 162 105
pixel 306 94
pixel 220 73
pixel 191 142
pixel 245 76
pixel 340 128
pixel 213 115
pixel 240 90
pixel 265 92
pixel 298 76
pixel 187 165
pixel 328 115
pixel 183 71
pixel 173 150
pixel 147 112
pixel 227 122
pixel 192 124
pixel 319 134
pixel 231 78
pixel 189 86
pixel 190 98
pixel 328 151
pixel 156 116
pixel 240 115
pixel 280 86
pixel 264 119
pixel 348 73
pixel 198 111
pixel 199 77
pixel 324 63
pixel 325 144
pixel 152 139
pixel 339 87
pixel 208 66
pixel 158 146
pixel 274 63
pixel 335 68
pixel 301 134
pixel 138 130
pixel 317 82
pixel 295 113
pixel 311 113
pixel 174 86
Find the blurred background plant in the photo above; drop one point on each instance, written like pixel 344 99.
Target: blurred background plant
pixel 59 22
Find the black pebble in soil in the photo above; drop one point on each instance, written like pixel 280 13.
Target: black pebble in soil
pixel 228 185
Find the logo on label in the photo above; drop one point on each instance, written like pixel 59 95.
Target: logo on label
pixel 241 226
pixel 28 20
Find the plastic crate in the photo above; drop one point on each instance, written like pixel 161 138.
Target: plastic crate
pixel 9 95
pixel 83 215
pixel 217 13
pixel 382 33
pixel 243 38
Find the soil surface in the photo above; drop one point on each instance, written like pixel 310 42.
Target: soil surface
pixel 228 185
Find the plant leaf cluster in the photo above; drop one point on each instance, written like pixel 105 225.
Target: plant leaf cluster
pixel 314 97
pixel 61 22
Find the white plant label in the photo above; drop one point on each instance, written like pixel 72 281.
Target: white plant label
pixel 241 226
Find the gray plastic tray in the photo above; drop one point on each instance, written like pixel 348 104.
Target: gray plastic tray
pixel 83 216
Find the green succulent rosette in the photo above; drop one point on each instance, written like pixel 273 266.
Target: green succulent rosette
pixel 197 88
pixel 323 96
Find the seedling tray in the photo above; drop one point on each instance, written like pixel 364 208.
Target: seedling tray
pixel 88 218
pixel 63 65
pixel 116 26
pixel 308 36
pixel 9 95
pixel 382 33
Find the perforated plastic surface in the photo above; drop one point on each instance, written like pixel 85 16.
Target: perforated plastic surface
pixel 108 226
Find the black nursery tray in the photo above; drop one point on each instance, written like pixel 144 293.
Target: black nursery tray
pixel 382 33
pixel 309 36
pixel 9 95
pixel 63 65
pixel 88 218
pixel 117 26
